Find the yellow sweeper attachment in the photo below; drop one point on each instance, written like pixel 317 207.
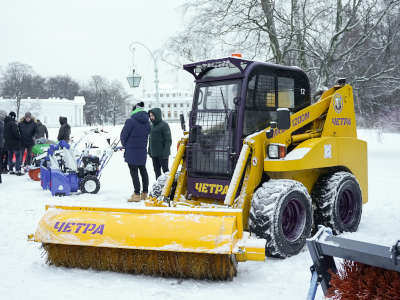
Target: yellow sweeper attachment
pixel 164 241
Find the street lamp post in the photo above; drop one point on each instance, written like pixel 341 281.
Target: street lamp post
pixel 132 48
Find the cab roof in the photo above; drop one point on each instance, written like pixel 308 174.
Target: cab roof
pixel 231 67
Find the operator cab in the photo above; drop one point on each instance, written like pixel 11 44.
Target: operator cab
pixel 234 98
pixel 269 87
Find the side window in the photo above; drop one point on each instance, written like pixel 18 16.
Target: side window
pixel 260 103
pixel 265 92
pixel 285 92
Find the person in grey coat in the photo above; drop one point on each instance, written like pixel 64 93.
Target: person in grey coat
pixel 41 130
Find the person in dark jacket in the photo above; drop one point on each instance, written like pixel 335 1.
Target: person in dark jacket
pixel 27 128
pixel 12 143
pixel 65 130
pixel 134 136
pixel 41 130
pixel 3 151
pixel 2 117
pixel 159 142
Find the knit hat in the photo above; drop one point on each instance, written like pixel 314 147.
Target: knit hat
pixel 140 104
pixel 28 115
pixel 12 115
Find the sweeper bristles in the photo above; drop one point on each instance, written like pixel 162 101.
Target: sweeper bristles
pixel 158 263
pixel 358 281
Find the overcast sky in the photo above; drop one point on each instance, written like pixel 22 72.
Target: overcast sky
pixel 87 37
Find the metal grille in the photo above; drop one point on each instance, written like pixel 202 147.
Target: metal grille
pixel 260 103
pixel 210 144
pixel 265 92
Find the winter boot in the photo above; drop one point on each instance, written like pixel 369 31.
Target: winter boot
pixel 143 196
pixel 134 198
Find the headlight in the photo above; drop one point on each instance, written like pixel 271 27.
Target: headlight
pixel 276 151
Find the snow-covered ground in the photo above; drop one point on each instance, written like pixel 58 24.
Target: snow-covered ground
pixel 24 274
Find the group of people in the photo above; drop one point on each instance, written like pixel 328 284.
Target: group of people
pixel 139 138
pixel 16 138
pixel 144 133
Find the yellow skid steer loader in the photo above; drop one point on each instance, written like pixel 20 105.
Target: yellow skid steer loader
pixel 258 168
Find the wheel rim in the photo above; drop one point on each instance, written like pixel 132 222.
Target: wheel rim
pixel 347 207
pixel 294 219
pixel 90 186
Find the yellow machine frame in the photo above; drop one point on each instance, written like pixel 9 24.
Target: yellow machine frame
pixel 331 143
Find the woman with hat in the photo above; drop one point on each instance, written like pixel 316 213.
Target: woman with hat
pixel 134 136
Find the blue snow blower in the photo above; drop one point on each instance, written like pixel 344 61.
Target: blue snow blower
pixel 63 174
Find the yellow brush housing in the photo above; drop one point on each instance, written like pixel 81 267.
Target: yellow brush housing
pixel 179 233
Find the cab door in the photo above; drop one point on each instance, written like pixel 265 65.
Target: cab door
pixel 213 129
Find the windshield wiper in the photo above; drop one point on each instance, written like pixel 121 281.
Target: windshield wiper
pixel 225 106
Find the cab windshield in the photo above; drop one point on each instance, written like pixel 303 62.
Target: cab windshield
pixel 212 128
pixel 217 96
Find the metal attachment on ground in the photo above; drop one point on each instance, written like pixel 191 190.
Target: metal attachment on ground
pixel 315 281
pixel 324 246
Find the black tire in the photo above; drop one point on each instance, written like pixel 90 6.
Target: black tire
pixel 281 213
pixel 338 202
pixel 158 186
pixel 90 184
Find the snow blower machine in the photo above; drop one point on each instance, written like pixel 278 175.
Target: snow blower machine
pixel 64 171
pixel 259 165
pixel 367 271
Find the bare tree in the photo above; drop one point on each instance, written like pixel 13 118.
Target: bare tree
pixel 62 86
pixel 117 100
pixel 345 47
pixel 105 101
pixel 272 31
pixel 16 82
pixel 355 39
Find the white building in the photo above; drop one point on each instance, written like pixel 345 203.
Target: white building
pixel 173 102
pixel 49 110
